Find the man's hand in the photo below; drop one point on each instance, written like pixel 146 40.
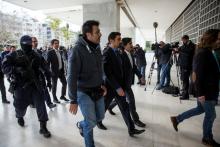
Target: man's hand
pixel 73 108
pixel 201 99
pixel 120 92
pixel 104 90
pixel 49 86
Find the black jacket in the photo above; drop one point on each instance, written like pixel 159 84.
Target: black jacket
pixel 207 73
pixel 166 52
pixel 129 71
pixel 25 68
pixel 186 53
pixel 53 62
pixel 158 54
pixel 140 57
pixel 113 69
pixel 84 68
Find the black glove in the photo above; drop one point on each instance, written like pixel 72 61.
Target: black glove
pixel 49 85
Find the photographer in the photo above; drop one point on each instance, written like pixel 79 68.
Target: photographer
pixel 166 53
pixel 140 60
pixel 186 53
pixel 157 54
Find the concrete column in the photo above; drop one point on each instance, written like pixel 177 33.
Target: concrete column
pixel 108 14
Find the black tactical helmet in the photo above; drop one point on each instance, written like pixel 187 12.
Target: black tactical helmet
pixel 26 43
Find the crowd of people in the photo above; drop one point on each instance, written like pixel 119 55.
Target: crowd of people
pixel 99 80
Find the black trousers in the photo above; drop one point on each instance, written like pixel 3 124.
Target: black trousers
pixel 2 88
pixel 62 78
pixel 131 101
pixel 159 66
pixel 185 74
pixel 123 106
pixel 25 96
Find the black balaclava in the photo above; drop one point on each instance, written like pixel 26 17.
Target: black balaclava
pixel 26 44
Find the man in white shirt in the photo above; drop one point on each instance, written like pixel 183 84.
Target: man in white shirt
pixel 56 65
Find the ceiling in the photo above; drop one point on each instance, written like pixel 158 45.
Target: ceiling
pixel 144 12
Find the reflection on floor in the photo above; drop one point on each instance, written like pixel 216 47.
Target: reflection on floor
pixel 154 109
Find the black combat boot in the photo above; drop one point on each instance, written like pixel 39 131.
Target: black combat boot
pixel 43 129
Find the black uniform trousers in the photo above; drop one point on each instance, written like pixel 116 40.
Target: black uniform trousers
pixel 23 97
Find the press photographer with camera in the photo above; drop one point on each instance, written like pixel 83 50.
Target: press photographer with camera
pixel 166 64
pixel 186 53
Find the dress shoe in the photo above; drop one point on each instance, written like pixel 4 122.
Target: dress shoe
pixel 101 126
pixel 210 142
pixel 6 102
pixel 111 112
pixel 64 98
pixel 174 122
pixel 56 101
pixel 80 129
pixel 139 123
pixel 135 132
pixel 21 121
pixel 52 105
pixel 43 130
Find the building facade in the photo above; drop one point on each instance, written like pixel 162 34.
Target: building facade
pixel 199 16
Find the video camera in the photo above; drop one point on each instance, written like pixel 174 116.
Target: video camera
pixel 154 46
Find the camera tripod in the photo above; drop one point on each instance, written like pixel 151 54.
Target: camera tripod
pixel 150 72
pixel 173 58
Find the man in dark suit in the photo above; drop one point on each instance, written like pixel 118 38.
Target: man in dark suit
pixel 130 69
pixel 115 84
pixel 56 64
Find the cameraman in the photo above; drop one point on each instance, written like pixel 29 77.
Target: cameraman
pixel 140 61
pixel 157 54
pixel 186 53
pixel 166 53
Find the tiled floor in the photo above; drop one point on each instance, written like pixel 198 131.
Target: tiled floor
pixel 154 109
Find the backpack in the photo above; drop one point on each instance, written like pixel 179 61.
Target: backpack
pixel 171 90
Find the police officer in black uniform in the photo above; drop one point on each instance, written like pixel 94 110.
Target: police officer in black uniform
pixel 23 67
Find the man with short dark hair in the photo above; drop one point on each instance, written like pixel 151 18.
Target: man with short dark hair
pixel 186 53
pixel 129 70
pixel 115 82
pixel 12 48
pixel 85 80
pixel 55 62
